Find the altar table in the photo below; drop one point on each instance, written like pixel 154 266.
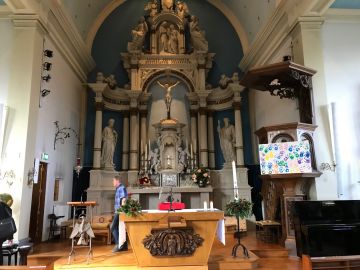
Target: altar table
pixel 177 239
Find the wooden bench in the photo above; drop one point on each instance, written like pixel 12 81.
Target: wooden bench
pixel 331 262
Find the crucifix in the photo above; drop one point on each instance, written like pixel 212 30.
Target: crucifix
pixel 168 87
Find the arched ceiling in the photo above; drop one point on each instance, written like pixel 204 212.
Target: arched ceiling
pixel 246 16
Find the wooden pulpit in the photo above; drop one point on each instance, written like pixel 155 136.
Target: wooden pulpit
pixel 177 240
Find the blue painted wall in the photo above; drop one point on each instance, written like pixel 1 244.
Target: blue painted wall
pixel 350 4
pixel 115 33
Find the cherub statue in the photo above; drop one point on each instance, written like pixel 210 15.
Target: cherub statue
pixel 152 7
pixel 154 158
pixel 183 159
pixel 111 81
pixel 181 9
pixel 224 81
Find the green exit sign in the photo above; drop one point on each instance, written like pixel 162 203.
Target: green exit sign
pixel 44 156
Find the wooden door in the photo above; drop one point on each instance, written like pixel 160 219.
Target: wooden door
pixel 37 205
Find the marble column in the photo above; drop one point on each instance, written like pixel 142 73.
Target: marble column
pixel 143 130
pixel 239 144
pixel 194 138
pixel 211 145
pixel 98 89
pixel 126 139
pixel 203 140
pixel 134 140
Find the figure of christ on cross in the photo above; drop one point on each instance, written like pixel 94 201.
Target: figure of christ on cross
pixel 168 87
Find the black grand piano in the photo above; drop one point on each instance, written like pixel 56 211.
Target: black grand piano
pixel 327 228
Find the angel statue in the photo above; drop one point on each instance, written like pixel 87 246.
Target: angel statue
pixel 181 9
pixel 83 231
pixel 168 99
pixel 183 159
pixel 198 40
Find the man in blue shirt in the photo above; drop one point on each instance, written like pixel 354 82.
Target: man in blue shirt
pixel 120 198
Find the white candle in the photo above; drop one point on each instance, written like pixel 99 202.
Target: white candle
pixel 211 205
pixel 205 205
pixel 236 192
pixel 191 151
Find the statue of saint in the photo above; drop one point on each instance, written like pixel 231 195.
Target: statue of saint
pixel 167 5
pixel 168 99
pixel 173 34
pixel 181 9
pixel 138 34
pixel 154 158
pixel 198 40
pixel 163 37
pixel 109 140
pixel 227 140
pixel 152 8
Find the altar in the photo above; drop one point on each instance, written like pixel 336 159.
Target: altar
pixel 175 240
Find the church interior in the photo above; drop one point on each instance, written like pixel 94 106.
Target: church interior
pixel 231 125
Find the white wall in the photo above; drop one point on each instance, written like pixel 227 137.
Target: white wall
pixel 63 104
pixel 6 34
pixel 341 41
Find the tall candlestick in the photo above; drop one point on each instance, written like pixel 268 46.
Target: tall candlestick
pixel 236 192
pixel 205 205
pixel 211 205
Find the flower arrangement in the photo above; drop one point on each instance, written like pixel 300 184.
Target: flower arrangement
pixel 201 177
pixel 131 208
pixel 241 208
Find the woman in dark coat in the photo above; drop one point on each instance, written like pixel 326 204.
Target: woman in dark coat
pixel 5 212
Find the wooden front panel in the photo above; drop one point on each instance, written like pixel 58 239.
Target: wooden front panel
pixel 139 228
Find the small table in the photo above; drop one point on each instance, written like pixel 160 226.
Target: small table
pixel 74 205
pixel 268 231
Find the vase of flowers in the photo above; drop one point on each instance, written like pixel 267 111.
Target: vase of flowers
pixel 131 208
pixel 201 177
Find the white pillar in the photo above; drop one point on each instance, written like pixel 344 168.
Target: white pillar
pixel 125 148
pixel 98 89
pixel 238 135
pixel 134 140
pixel 203 142
pixel 211 145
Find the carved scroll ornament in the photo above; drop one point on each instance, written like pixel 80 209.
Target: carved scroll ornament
pixel 172 242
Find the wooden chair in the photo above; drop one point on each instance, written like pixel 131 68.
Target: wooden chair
pixel 101 226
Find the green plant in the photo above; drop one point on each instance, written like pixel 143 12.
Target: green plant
pixel 241 208
pixel 201 177
pixel 131 208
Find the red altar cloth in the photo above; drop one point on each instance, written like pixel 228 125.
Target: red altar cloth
pixel 175 206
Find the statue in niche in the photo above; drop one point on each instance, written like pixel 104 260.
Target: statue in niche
pixel 227 140
pixel 183 159
pixel 109 140
pixel 167 5
pixel 168 99
pixel 181 9
pixel 138 34
pixel 154 158
pixel 173 35
pixel 163 37
pixel 111 81
pixel 152 8
pixel 198 40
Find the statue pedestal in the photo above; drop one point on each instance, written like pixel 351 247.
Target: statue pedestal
pixel 223 184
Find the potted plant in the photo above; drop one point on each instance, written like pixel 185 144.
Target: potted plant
pixel 130 208
pixel 240 208
pixel 201 177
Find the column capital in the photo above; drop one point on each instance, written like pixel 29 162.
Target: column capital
pixel 134 97
pixel 237 105
pixel 98 89
pixel 143 113
pixel 193 113
pixel 126 114
pixel 203 111
pixel 210 113
pixel 133 111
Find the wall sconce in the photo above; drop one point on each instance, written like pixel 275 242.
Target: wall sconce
pixel 46 78
pixel 47 66
pixel 48 53
pixel 327 167
pixel 31 177
pixel 45 92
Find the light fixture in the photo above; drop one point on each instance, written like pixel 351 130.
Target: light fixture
pixel 46 78
pixel 45 92
pixel 48 53
pixel 47 66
